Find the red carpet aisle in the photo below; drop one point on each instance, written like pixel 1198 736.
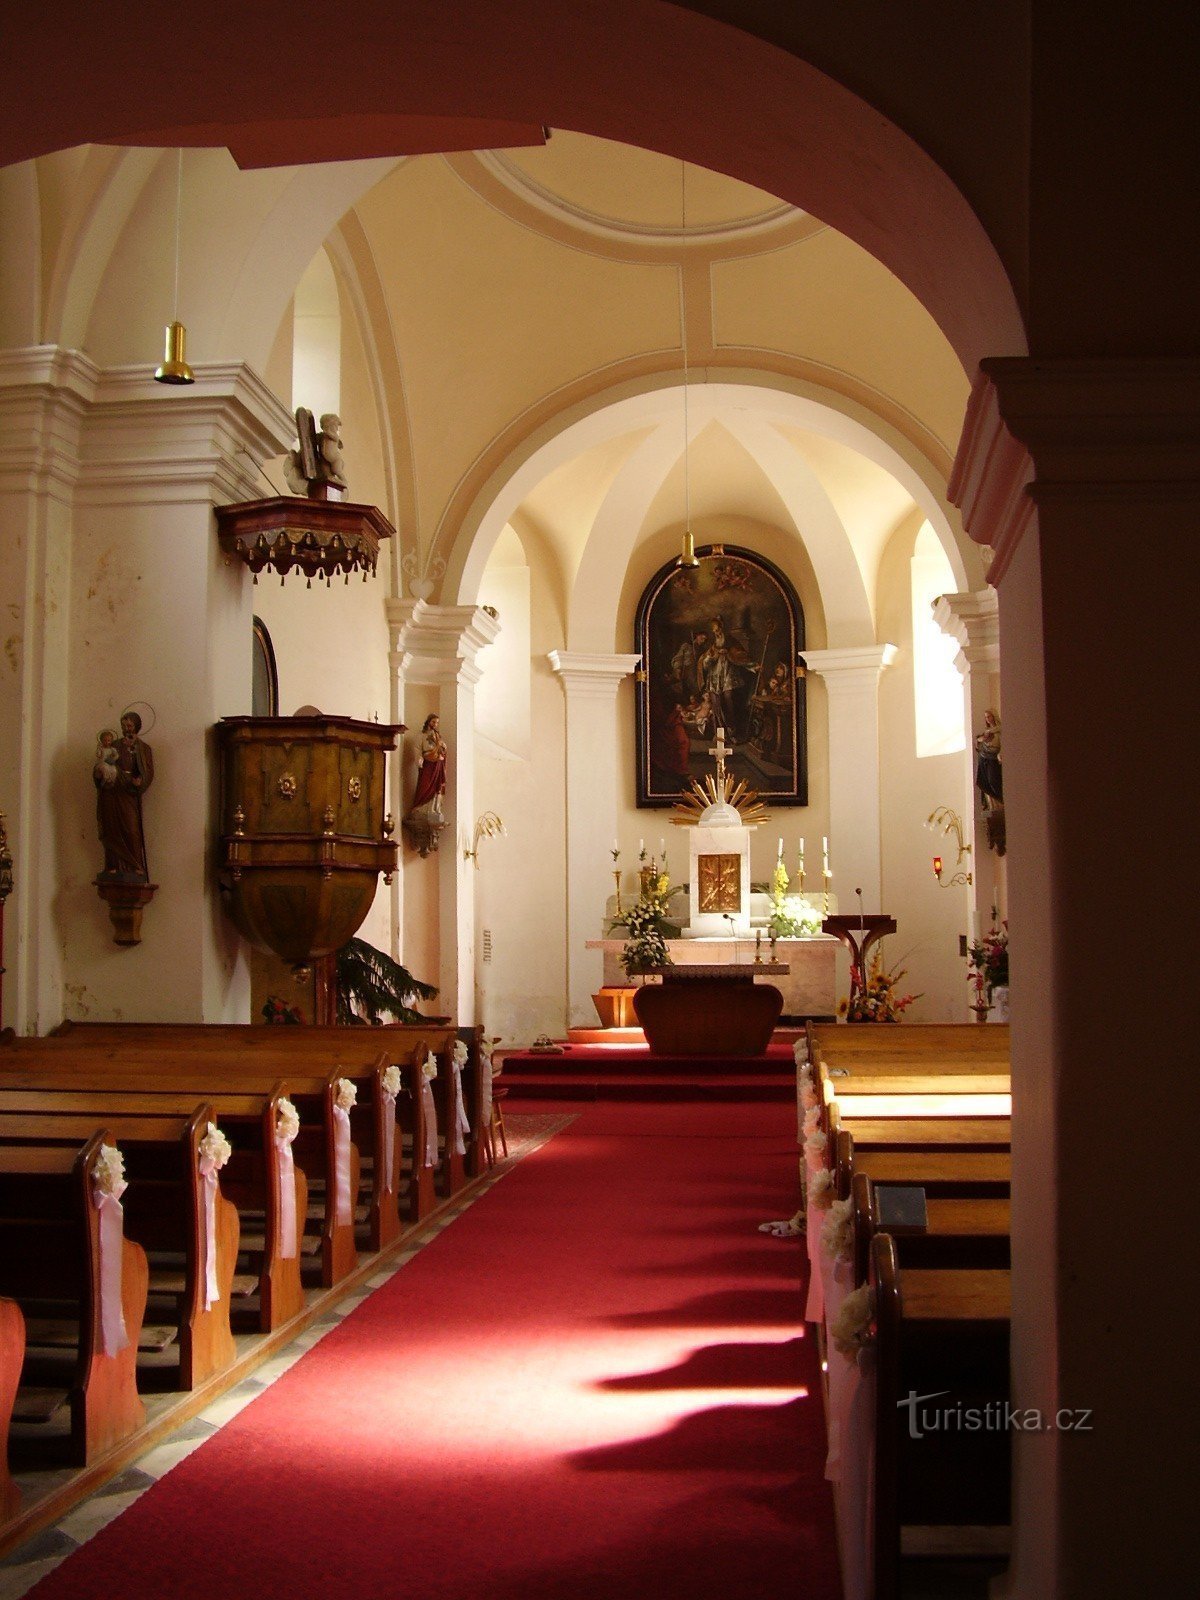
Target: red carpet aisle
pixel 592 1385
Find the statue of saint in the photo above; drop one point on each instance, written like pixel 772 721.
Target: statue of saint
pixel 431 777
pixel 989 776
pixel 123 771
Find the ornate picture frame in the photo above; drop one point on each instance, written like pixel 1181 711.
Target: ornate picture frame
pixel 721 646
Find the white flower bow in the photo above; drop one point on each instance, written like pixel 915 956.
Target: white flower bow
pixel 215 1147
pixel 390 1082
pixel 345 1095
pixel 108 1174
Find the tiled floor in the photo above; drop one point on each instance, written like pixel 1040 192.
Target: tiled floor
pixel 22 1567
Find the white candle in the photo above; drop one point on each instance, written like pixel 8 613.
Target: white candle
pixel 781 849
pixel 662 847
pixel 641 847
pixel 616 844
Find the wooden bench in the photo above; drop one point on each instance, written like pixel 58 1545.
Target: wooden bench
pixel 252 1179
pixel 946 1173
pixel 922 1133
pixel 167 1212
pixel 357 1051
pixel 972 1232
pixel 945 1335
pixel 41 1064
pixel 50 1263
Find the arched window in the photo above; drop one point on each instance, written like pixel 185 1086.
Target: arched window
pixel 264 701
pixel 937 686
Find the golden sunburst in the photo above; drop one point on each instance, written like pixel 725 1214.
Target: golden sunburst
pixel 696 800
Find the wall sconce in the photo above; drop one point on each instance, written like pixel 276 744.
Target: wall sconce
pixel 950 823
pixel 488 826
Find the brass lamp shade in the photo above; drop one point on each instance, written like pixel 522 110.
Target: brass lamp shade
pixel 688 558
pixel 174 367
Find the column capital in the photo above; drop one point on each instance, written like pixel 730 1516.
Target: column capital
pixel 853 667
pixel 595 675
pixel 1100 429
pixel 973 620
pixel 434 645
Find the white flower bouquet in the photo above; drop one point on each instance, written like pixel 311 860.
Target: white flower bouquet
pixel 287 1123
pixel 820 1189
pixel 215 1148
pixel 345 1094
pixel 461 1053
pixel 852 1329
pixel 429 1068
pixel 108 1174
pixel 837 1231
pixel 390 1082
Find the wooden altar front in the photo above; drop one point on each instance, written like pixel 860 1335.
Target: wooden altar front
pixel 809 987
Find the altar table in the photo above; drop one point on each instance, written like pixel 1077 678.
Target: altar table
pixel 809 988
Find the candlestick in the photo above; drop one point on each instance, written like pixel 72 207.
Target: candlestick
pixel 617 879
pixel 758 944
pixel 800 869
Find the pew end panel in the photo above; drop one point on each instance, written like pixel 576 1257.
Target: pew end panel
pixel 12 1358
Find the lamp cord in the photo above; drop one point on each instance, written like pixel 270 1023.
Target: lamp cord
pixel 687 482
pixel 178 225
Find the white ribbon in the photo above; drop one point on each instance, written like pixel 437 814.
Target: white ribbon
pixel 485 1106
pixel 113 1335
pixel 429 1114
pixel 461 1126
pixel 341 1167
pixel 389 1140
pixel 208 1174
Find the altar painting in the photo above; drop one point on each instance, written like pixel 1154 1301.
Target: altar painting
pixel 720 644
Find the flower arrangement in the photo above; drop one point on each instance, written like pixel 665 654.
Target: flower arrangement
pixel 837 1231
pixel 215 1148
pixel 108 1174
pixel 647 925
pixel 876 1000
pixel 814 1147
pixel 800 1055
pixel 390 1082
pixel 808 1094
pixel 287 1123
pixel 852 1329
pixel 812 1119
pixel 988 958
pixel 460 1053
pixel 791 915
pixel 820 1189
pixel 345 1094
pixel 429 1067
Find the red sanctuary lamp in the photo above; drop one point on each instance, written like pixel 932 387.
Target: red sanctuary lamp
pixel 937 867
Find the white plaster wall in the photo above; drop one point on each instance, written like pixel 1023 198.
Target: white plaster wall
pixel 929 917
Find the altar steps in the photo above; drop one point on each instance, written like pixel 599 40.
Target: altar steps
pixel 630 1072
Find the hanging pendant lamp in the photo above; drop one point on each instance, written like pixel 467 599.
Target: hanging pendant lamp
pixel 174 368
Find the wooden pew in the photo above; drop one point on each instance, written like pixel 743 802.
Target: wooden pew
pixel 12 1358
pixel 42 1063
pixel 166 1212
pixel 922 1133
pixel 251 1180
pixel 971 1232
pixel 942 1334
pixel 944 1172
pixel 50 1260
pixel 357 1051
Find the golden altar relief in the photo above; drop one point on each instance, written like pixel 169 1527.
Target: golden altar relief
pixel 720 882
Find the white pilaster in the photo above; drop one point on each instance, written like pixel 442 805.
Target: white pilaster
pixel 851 678
pixel 112 479
pixel 973 620
pixel 437 646
pixel 590 684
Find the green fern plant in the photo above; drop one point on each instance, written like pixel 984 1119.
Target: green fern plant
pixel 371 985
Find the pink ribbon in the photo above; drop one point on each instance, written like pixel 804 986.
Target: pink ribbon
pixel 855 1497
pixel 113 1336
pixel 286 1177
pixel 461 1126
pixel 389 1140
pixel 429 1112
pixel 208 1174
pixel 815 1306
pixel 343 1214
pixel 839 1281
